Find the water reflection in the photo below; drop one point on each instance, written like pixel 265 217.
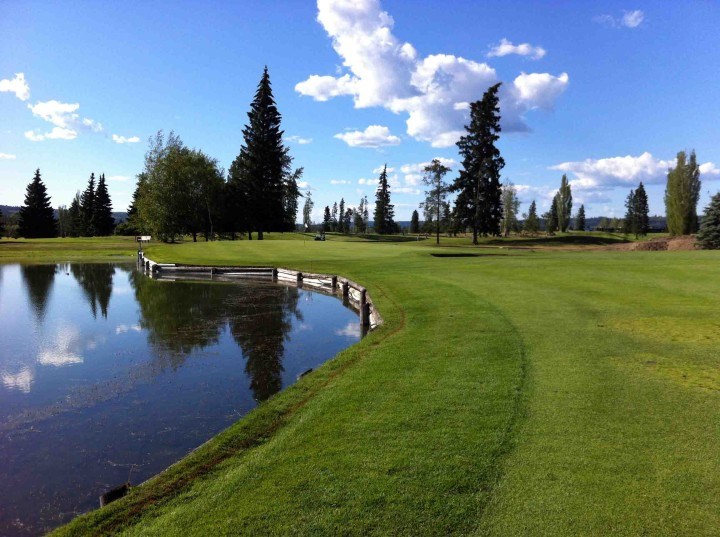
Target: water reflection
pixel 38 281
pixel 96 282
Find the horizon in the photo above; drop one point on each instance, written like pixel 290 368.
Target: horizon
pixel 590 91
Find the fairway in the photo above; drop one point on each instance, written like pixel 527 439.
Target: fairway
pixel 518 392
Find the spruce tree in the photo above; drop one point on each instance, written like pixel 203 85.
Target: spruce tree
pixel 334 217
pixel 580 219
pixel 630 222
pixel 366 215
pixel 641 211
pixel 551 217
pixel 2 224
pixel 682 194
pixel 37 218
pixel 415 222
pixel 709 235
pixel 532 223
pixel 341 219
pixel 327 219
pixel 478 204
pixel 102 215
pixel 433 177
pixel 384 210
pixel 257 173
pixel 87 209
pixel 564 201
pixel 75 217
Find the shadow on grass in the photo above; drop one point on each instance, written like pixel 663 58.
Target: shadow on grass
pixel 564 240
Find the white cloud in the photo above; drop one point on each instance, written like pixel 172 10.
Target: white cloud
pixel 505 48
pixel 340 182
pixel 303 185
pixel 605 173
pixel 433 91
pixel 420 166
pixel 364 181
pixel 539 90
pixel 299 140
pixel 57 133
pixel 20 381
pixel 123 140
pixel 629 19
pixel 413 179
pixel 92 125
pixel 16 85
pixel 59 114
pixel 7 156
pixel 373 136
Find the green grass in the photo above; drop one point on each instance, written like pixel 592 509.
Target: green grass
pixel 522 392
pixel 46 250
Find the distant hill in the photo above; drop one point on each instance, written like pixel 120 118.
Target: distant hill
pixel 9 210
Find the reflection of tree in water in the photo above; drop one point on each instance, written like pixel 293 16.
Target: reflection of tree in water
pixel 38 280
pixel 184 316
pixel 260 326
pixel 96 282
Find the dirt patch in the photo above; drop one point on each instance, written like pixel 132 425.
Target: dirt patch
pixel 684 242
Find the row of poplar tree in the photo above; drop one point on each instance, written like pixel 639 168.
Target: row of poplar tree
pixel 89 215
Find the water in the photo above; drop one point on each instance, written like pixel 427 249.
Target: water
pixel 104 370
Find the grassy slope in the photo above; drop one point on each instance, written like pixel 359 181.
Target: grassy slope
pixel 95 249
pixel 533 393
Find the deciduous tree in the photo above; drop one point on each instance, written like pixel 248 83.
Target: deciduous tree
pixel 682 194
pixel 511 207
pixel 564 204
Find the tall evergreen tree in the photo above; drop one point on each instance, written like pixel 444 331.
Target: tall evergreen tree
pixel 347 220
pixel 341 219
pixel 102 217
pixel 682 194
pixel 580 219
pixel 532 223
pixel 327 219
pixel 2 224
pixel 415 222
pixel 384 210
pixel 37 218
pixel 564 201
pixel 87 209
pixel 359 220
pixel 334 217
pixel 258 171
pixel 307 211
pixel 366 214
pixel 433 177
pixel 511 207
pixel 630 222
pixel 551 217
pixel 642 211
pixel 478 204
pixel 709 235
pixel 75 217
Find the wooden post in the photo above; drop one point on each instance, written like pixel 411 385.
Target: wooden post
pixel 147 265
pixel 299 278
pixel 345 290
pixel 365 315
pixel 334 283
pixel 274 274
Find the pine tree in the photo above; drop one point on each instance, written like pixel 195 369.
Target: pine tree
pixel 291 193
pixel 580 219
pixel 327 220
pixel 630 223
pixel 709 235
pixel 341 219
pixel 102 214
pixel 347 220
pixel 258 171
pixel 532 223
pixel 366 215
pixel 415 222
pixel 551 217
pixel 478 204
pixel 384 210
pixel 359 220
pixel 682 194
pixel 641 211
pixel 37 218
pixel 87 209
pixel 2 224
pixel 435 196
pixel 564 201
pixel 75 217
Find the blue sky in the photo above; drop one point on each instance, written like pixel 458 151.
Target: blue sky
pixel 605 92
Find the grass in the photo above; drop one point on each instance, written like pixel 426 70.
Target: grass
pixel 71 249
pixel 522 392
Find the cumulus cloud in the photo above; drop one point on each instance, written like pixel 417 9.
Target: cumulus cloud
pixel 433 91
pixel 605 173
pixel 340 182
pixel 629 19
pixel 16 85
pixel 123 140
pixel 373 136
pixel 364 181
pixel 380 169
pixel 7 156
pixel 65 118
pixel 506 48
pixel 57 133
pixel 299 140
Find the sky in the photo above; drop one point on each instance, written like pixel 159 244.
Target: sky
pixel 605 92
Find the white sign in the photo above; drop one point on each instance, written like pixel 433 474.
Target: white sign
pixel 143 238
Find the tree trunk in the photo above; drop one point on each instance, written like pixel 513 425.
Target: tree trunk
pixel 194 236
pixel 475 235
pixel 260 235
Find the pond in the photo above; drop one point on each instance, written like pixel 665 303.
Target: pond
pixel 107 374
